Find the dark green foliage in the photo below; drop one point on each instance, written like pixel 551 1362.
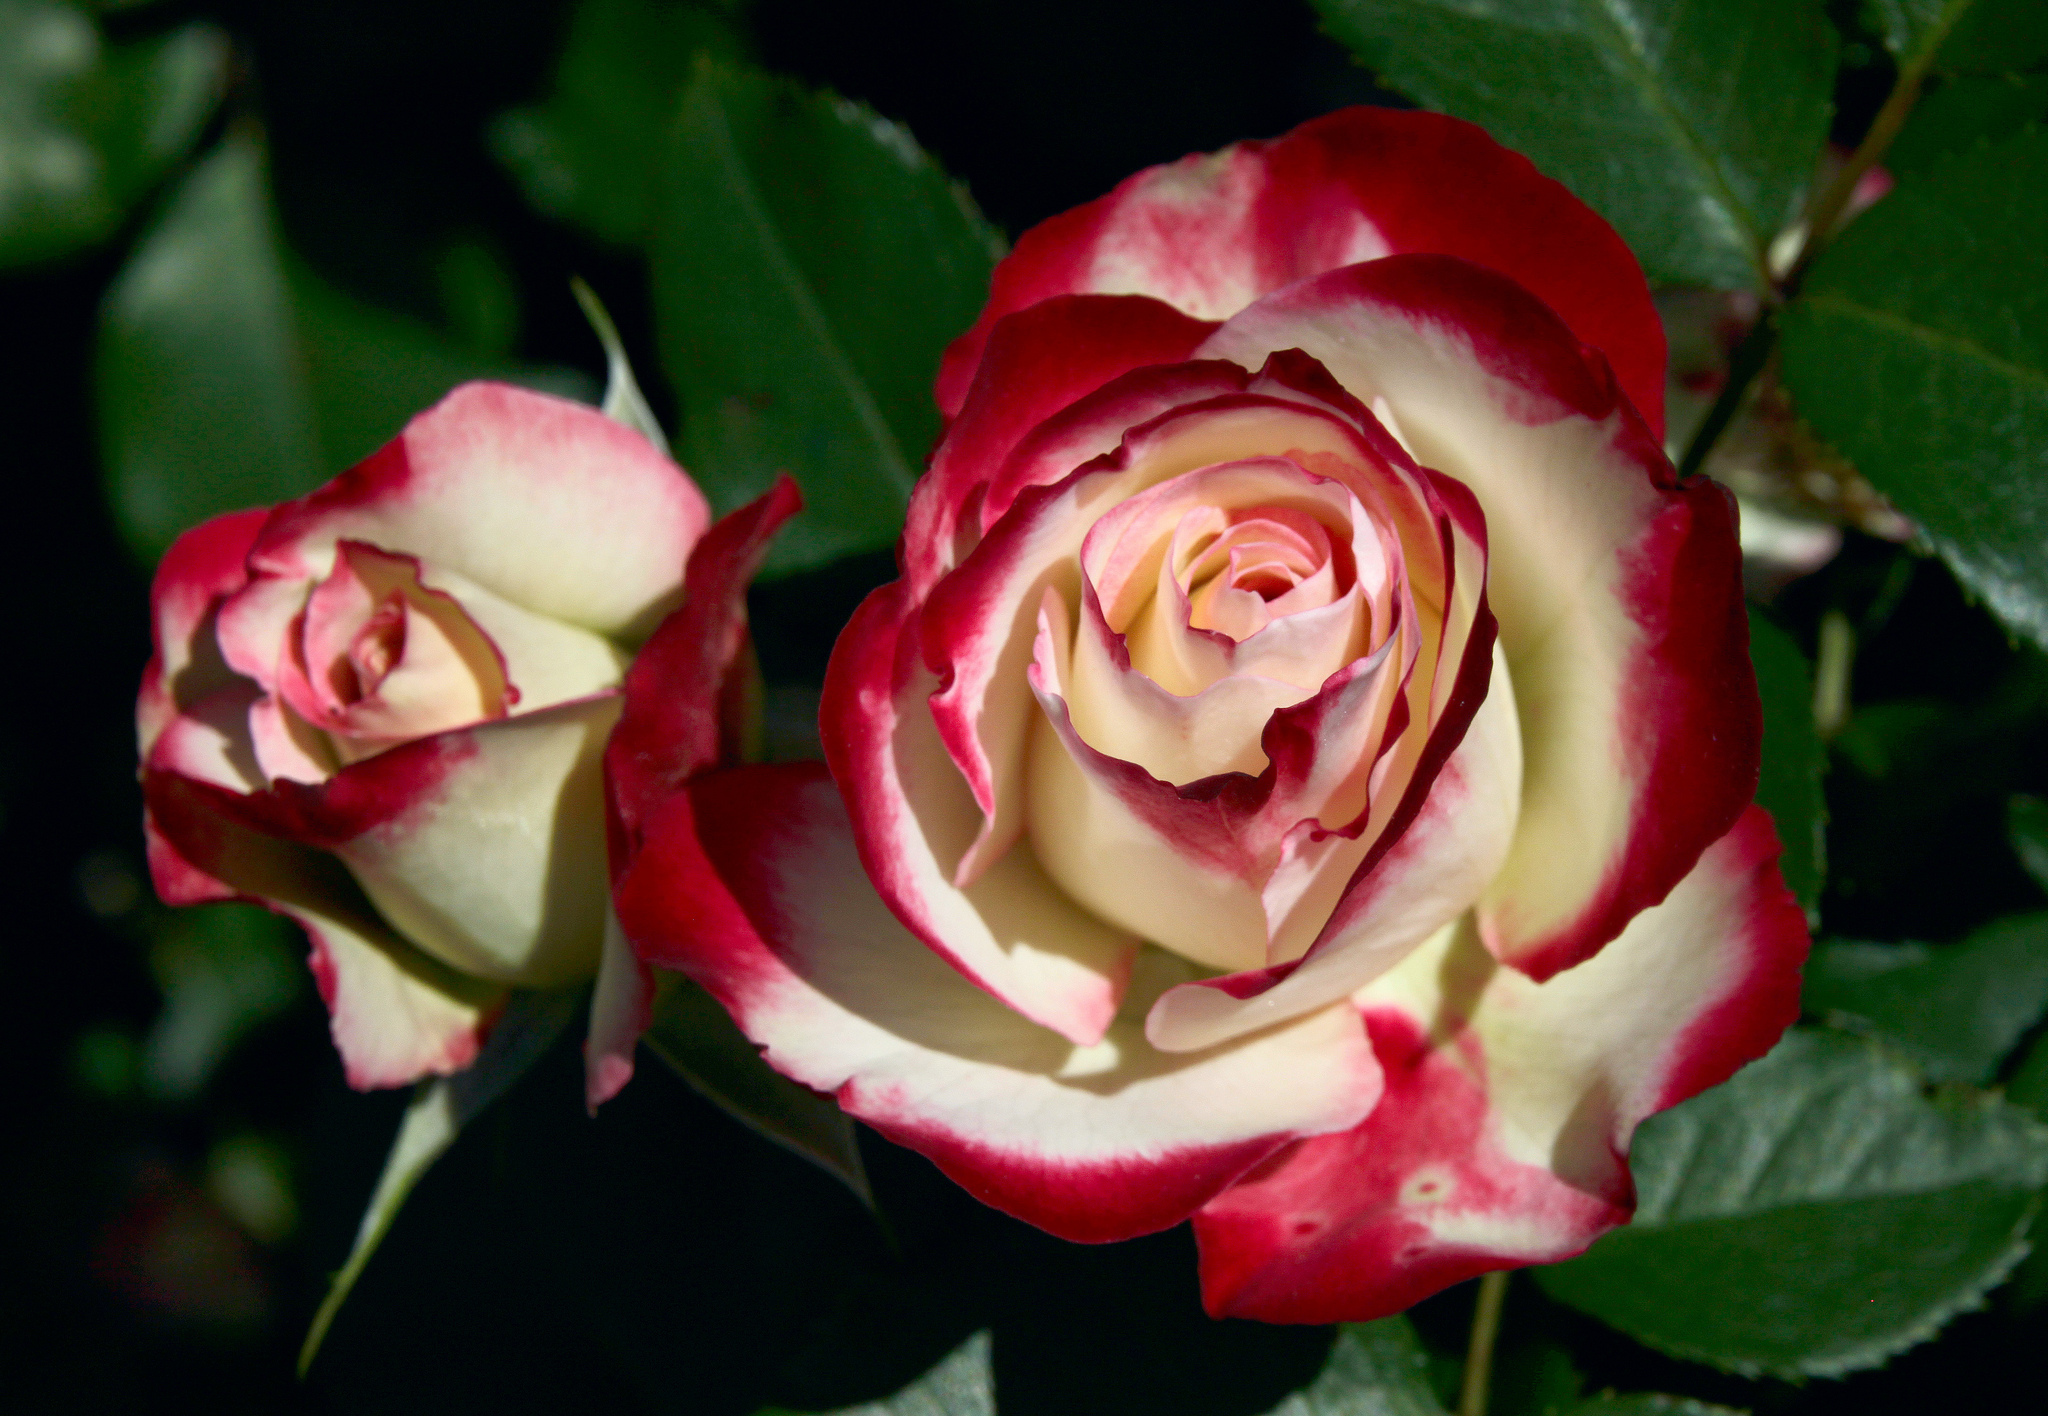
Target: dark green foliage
pixel 1789 783
pixel 87 127
pixel 1814 1215
pixel 810 265
pixel 231 375
pixel 1692 126
pixel 1956 1010
pixel 592 153
pixel 1920 349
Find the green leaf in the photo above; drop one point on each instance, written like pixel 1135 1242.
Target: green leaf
pixel 1693 128
pixel 1956 1010
pixel 589 154
pixel 1375 1369
pixel 440 1108
pixel 1913 29
pixel 230 375
pixel 2029 1085
pixel 961 1385
pixel 810 267
pixel 1609 1404
pixel 86 128
pixel 2026 822
pixel 1814 1215
pixel 1966 113
pixel 1920 349
pixel 1533 1378
pixel 1789 784
pixel 691 1032
pixel 1963 36
pixel 1996 37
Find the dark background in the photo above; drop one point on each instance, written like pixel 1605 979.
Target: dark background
pixel 662 1258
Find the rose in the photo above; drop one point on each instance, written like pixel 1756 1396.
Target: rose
pixel 381 710
pixel 1302 776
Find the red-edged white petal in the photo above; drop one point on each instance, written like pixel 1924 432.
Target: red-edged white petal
pixel 483 846
pixel 768 908
pixel 396 1014
pixel 979 624
pixel 1503 1134
pixel 204 565
pixel 675 723
pixel 1036 363
pixel 1214 232
pixel 621 1005
pixel 679 688
pixel 544 502
pixel 1430 874
pixel 1617 590
pixel 1011 931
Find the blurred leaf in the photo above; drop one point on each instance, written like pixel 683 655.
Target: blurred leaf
pixel 1996 37
pixel 1609 1404
pixel 223 970
pixel 1693 128
pixel 1789 784
pixel 1375 1369
pixel 810 266
pixel 591 153
pixel 1956 1010
pixel 1919 347
pixel 86 128
pixel 961 1385
pixel 2026 822
pixel 229 375
pixel 441 1107
pixel 1913 29
pixel 1966 113
pixel 250 1178
pixel 693 1034
pixel 2029 1085
pixel 1533 1379
pixel 1814 1215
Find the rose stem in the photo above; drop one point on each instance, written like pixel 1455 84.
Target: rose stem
pixel 1493 1291
pixel 1751 355
pixel 1836 653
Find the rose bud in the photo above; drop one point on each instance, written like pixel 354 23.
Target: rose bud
pixel 381 710
pixel 1302 777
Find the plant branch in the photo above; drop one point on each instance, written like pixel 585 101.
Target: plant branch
pixel 1744 365
pixel 1493 1292
pixel 1827 210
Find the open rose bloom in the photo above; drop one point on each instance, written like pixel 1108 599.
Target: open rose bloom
pixel 382 710
pixel 1302 777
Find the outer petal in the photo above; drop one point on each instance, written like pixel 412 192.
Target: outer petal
pixel 1037 362
pixel 672 727
pixel 1212 233
pixel 1617 589
pixel 484 845
pixel 396 1014
pixel 204 565
pixel 767 907
pixel 542 501
pixel 1503 1136
pixel 1011 931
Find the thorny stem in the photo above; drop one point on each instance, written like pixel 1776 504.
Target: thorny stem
pixel 1820 221
pixel 1744 365
pixel 1493 1291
